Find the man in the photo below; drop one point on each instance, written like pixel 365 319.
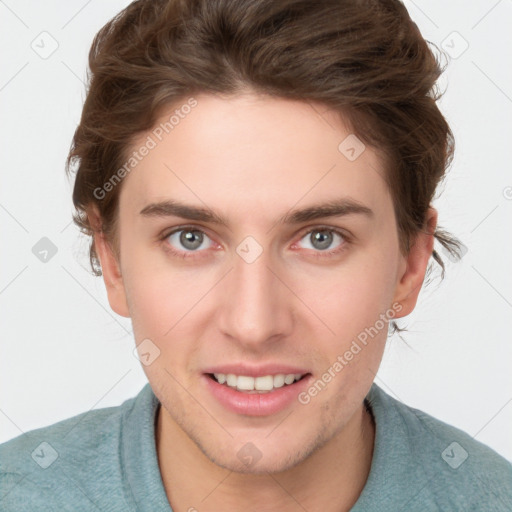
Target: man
pixel 257 180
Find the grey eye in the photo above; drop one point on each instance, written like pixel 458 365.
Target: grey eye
pixel 188 239
pixel 322 239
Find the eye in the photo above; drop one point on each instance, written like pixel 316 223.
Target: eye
pixel 323 240
pixel 188 240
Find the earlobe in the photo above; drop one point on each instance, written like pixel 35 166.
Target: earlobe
pixel 110 267
pixel 416 262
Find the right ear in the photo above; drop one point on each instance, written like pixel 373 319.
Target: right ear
pixel 110 267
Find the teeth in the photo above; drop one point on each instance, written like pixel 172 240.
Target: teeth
pixel 245 383
pixel 279 380
pixel 288 379
pixel 262 384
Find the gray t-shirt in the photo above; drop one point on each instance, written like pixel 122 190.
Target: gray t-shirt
pixel 105 460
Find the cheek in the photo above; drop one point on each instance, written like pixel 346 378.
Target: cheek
pixel 148 301
pixel 166 305
pixel 158 305
pixel 157 296
pixel 154 290
pixel 353 296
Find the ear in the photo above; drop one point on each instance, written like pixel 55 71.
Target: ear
pixel 414 266
pixel 110 267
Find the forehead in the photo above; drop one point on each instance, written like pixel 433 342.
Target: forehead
pixel 252 152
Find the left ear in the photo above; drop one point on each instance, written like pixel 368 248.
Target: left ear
pixel 415 263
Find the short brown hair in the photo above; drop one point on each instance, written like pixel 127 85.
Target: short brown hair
pixel 365 59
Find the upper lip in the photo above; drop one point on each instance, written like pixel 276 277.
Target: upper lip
pixel 256 370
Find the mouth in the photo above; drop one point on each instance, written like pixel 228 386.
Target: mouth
pixel 257 385
pixel 264 393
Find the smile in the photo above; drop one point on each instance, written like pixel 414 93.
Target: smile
pixel 263 384
pixel 266 392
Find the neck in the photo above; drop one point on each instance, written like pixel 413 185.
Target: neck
pixel 332 478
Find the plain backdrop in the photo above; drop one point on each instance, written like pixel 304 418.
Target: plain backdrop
pixel 63 351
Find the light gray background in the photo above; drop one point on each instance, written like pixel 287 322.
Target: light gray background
pixel 63 351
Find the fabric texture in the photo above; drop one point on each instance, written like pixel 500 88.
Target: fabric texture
pixel 105 459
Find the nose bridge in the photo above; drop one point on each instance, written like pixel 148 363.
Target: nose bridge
pixel 255 307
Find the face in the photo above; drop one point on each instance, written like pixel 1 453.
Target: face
pixel 256 252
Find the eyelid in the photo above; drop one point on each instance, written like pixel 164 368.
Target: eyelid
pixel 166 233
pixel 304 231
pixel 319 227
pixel 343 233
pixel 347 239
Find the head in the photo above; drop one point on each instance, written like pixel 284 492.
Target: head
pixel 212 135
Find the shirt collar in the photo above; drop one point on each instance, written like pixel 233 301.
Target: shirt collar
pixel 391 469
pixel 140 460
pixel 395 477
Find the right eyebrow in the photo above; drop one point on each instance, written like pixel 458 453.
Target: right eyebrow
pixel 171 208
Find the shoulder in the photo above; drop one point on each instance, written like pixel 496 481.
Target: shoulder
pixel 48 466
pixel 459 472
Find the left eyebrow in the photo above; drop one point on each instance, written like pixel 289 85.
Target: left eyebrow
pixel 334 208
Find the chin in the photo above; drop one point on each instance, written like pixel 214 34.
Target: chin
pixel 277 463
pixel 263 456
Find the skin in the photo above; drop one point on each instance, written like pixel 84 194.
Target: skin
pixel 252 159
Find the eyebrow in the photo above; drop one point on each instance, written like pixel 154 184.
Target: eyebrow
pixel 335 208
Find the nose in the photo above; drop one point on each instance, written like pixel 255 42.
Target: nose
pixel 256 307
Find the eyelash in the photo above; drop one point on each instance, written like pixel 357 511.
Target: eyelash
pixel 317 254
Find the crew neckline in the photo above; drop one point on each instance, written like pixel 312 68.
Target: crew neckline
pixel 140 459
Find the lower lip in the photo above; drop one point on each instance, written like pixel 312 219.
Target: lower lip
pixel 256 404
